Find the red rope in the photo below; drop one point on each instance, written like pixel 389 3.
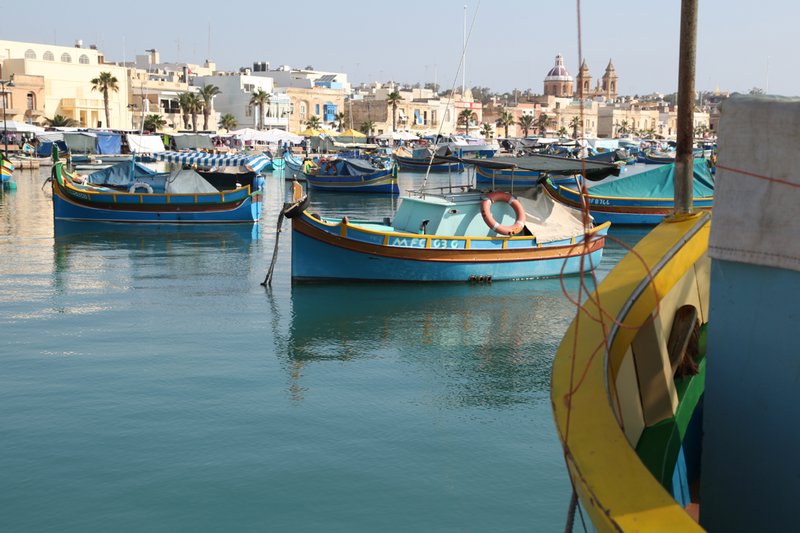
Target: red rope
pixel 759 176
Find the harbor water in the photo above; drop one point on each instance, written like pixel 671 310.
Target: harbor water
pixel 148 382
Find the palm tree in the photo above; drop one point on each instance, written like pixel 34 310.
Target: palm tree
pixel 367 127
pixel 185 105
pixel 562 131
pixel 466 117
pixel 154 122
pixel 60 121
pixel 194 105
pixel 650 133
pixel 623 127
pixel 575 123
pixel 259 99
pixel 339 119
pixel 526 123
pixel 542 123
pixel 207 93
pixel 313 122
pixel 506 119
pixel 487 130
pixel 227 122
pixel 104 83
pixel 393 98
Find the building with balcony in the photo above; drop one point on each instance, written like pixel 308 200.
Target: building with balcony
pixel 236 92
pixel 67 73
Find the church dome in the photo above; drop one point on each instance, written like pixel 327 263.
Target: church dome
pixel 559 71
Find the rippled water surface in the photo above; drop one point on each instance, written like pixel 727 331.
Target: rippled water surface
pixel 149 383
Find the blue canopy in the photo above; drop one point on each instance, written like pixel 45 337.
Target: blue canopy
pixel 120 174
pixel 657 183
pixel 109 143
pixel 204 159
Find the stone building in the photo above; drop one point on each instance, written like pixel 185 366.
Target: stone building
pixel 558 81
pixel 607 87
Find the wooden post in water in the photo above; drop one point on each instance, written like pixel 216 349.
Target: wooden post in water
pixel 684 160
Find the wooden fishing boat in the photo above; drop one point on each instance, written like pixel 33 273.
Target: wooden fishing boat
pixel 421 158
pixel 443 235
pixel 351 175
pixel 6 171
pixel 653 157
pixel 531 170
pixel 128 192
pixel 675 389
pixel 644 198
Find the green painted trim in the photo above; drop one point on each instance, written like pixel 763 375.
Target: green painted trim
pixel 660 443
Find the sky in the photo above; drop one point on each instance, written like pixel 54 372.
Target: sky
pixel 512 44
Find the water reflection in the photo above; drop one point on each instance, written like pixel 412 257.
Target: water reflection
pixel 492 345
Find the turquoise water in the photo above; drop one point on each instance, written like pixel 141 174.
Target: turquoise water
pixel 149 383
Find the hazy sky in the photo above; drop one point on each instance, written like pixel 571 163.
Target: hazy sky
pixel 512 44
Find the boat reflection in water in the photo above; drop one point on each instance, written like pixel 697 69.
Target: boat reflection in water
pixel 483 345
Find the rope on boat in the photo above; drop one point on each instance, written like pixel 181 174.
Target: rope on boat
pixel 268 280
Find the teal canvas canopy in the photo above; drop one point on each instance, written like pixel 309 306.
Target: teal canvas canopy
pixel 657 183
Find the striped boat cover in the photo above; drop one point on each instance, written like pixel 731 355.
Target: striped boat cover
pixel 206 160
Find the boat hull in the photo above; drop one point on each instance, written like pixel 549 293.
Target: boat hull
pixel 379 182
pixel 421 165
pixel 626 211
pixel 322 251
pixel 518 178
pixel 73 203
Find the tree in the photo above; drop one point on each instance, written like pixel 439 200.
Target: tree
pixel 184 104
pixel 60 121
pixel 543 122
pixel 104 83
pixel 562 132
pixel 313 122
pixel 506 119
pixel 194 106
pixel 207 93
pixel 482 94
pixel 433 87
pixel 526 123
pixel 623 128
pixel 575 123
pixel 392 100
pixel 650 134
pixel 487 130
pixel 153 123
pixel 465 117
pixel 367 127
pixel 259 99
pixel 756 91
pixel 339 119
pixel 227 122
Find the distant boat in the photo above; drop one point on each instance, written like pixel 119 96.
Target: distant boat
pixel 419 159
pixel 448 236
pixel 644 198
pixel 464 146
pixel 6 171
pixel 131 192
pixel 653 157
pixel 528 171
pixel 352 175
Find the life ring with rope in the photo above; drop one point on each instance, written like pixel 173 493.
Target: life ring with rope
pixel 140 184
pixel 516 205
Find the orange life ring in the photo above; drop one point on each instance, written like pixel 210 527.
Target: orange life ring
pixel 486 213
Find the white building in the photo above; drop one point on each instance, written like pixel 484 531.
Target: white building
pixel 236 90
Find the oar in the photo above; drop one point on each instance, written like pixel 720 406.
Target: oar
pixel 268 280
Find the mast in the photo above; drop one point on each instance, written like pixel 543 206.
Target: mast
pixel 684 161
pixel 464 57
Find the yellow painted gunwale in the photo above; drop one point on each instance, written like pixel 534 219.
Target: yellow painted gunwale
pixel 614 486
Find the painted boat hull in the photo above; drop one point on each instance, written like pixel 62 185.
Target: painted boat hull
pixel 518 178
pixel 622 211
pixel 326 251
pixel 380 182
pixel 73 203
pixel 421 165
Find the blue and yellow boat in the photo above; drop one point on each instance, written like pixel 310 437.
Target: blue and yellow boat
pixel 352 175
pixel 644 198
pixel 445 236
pixel 129 192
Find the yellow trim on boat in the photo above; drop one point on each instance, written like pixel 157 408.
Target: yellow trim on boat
pixel 637 198
pixel 614 486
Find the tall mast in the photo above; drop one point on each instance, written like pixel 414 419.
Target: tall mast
pixel 684 160
pixel 464 57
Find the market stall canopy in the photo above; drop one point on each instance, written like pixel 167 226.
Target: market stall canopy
pixel 398 136
pixel 21 127
pixel 313 132
pixel 206 160
pixel 350 133
pixel 145 143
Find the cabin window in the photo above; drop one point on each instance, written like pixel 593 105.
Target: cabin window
pixel 66 58
pixel 30 54
pixel 48 56
pixel 84 59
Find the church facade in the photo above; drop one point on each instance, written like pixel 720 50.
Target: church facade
pixel 559 82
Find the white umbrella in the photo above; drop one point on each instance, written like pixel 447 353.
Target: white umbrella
pixel 21 127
